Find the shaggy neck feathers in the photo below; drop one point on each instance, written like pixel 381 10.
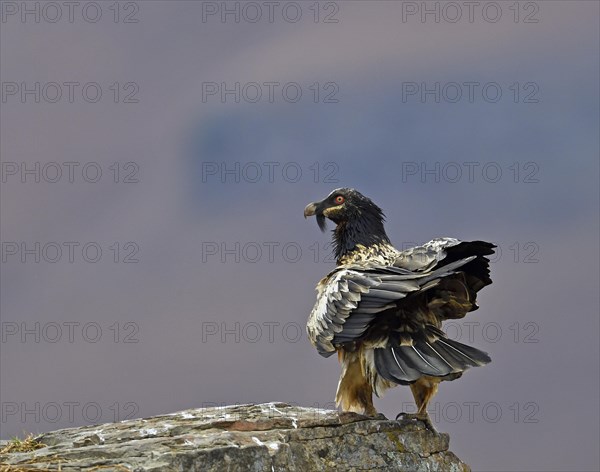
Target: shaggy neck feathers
pixel 364 230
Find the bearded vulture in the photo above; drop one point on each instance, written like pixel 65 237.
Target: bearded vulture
pixel 382 309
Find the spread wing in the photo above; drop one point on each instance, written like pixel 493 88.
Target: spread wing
pixel 349 299
pixel 425 257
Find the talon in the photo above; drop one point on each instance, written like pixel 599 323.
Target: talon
pixel 406 416
pixel 418 417
pixel 428 423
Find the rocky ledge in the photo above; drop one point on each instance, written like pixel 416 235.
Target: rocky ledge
pixel 264 437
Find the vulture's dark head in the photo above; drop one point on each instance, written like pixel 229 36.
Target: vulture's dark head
pixel 358 220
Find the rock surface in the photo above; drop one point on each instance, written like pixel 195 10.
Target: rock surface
pixel 265 437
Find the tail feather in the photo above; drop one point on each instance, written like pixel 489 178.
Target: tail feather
pixel 424 361
pixel 450 356
pixel 403 364
pixel 439 358
pixel 394 367
pixel 470 356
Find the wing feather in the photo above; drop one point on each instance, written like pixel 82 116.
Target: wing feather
pixel 351 297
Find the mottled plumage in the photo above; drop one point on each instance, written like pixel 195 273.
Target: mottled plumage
pixel 382 309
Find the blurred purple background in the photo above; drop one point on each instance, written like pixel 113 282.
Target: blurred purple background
pixel 199 320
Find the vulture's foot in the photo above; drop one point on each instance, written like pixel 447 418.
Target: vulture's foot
pixel 418 417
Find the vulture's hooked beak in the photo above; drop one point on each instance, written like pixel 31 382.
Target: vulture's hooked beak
pixel 313 209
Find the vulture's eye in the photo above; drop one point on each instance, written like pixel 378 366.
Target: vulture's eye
pixel 339 199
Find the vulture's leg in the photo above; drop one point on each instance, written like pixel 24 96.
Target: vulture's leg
pixel 423 391
pixel 354 392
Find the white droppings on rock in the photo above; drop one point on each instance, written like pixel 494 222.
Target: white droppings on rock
pixel 272 407
pixel 148 432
